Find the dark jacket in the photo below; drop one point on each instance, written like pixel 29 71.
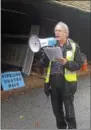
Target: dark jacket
pixel 71 65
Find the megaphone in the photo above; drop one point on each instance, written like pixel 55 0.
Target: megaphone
pixel 36 43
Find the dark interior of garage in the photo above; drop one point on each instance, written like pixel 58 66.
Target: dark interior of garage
pixel 17 17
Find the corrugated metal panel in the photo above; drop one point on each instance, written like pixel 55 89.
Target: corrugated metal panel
pixel 19 54
pixel 14 54
pixel 30 55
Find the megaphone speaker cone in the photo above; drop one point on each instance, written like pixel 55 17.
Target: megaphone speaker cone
pixel 34 43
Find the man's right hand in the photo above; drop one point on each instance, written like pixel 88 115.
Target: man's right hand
pixel 62 60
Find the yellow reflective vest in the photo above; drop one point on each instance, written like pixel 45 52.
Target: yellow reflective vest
pixel 69 75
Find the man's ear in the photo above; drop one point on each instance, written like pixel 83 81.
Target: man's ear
pixel 67 35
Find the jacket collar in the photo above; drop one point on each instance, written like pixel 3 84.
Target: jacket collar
pixel 67 45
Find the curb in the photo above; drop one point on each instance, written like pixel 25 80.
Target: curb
pixel 31 82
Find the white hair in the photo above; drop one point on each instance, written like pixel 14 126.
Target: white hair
pixel 64 26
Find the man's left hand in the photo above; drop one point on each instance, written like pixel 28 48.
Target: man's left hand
pixel 62 60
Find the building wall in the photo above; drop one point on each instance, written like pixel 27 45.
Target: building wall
pixel 77 20
pixel 46 15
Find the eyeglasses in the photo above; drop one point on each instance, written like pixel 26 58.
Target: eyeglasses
pixel 60 31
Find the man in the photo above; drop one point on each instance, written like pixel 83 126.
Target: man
pixel 61 76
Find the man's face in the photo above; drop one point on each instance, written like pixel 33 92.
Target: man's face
pixel 60 33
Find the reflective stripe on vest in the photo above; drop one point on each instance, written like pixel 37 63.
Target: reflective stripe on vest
pixel 48 73
pixel 69 75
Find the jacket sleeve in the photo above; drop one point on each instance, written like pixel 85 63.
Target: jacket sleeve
pixel 44 60
pixel 77 63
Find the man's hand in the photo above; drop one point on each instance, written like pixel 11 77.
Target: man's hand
pixel 62 60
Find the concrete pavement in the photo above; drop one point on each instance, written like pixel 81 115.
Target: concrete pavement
pixel 32 110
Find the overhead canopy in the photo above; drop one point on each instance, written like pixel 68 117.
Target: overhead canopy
pixel 18 16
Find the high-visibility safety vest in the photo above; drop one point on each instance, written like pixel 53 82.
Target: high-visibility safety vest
pixel 70 76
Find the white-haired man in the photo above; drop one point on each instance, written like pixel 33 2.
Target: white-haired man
pixel 62 78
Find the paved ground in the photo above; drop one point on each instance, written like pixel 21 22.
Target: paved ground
pixel 23 112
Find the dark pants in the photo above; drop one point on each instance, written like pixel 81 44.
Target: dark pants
pixel 63 93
